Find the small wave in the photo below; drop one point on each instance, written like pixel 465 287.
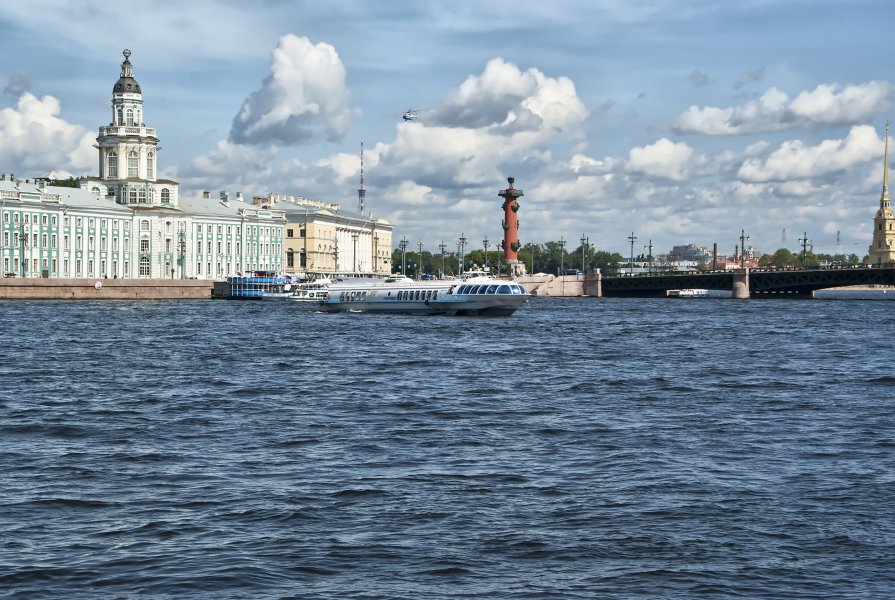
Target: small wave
pixel 358 493
pixel 884 380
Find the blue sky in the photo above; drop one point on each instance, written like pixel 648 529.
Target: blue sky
pixel 684 121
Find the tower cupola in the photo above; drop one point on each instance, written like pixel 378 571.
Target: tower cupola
pixel 126 83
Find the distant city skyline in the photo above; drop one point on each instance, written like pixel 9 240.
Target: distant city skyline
pixel 680 122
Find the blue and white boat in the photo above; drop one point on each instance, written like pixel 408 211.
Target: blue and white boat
pixel 261 285
pixel 474 293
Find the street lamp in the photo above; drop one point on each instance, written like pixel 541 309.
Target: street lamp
pixel 584 241
pixel 562 254
pixel 649 257
pixel 632 238
pixel 420 256
pixel 403 246
pixel 354 252
pixel 461 243
pixel 743 238
pixel 442 247
pixel 376 254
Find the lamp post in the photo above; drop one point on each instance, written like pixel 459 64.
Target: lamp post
pixel 743 238
pixel 442 247
pixel 419 258
pixel 632 238
pixel 562 254
pixel 403 246
pixel 461 243
pixel 485 244
pixel 583 247
pixel 376 254
pixel 534 247
pixel 649 256
pixel 804 241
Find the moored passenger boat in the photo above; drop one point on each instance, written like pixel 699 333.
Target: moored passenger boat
pixel 261 285
pixel 474 294
pixel 688 293
pixel 311 291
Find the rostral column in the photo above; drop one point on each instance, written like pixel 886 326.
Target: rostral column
pixel 510 224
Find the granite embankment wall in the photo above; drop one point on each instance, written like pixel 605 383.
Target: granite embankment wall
pixel 104 289
pixel 563 285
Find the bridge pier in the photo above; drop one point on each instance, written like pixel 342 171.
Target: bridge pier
pixel 741 285
pixel 593 284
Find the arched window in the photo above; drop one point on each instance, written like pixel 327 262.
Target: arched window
pixel 130 117
pixel 166 196
pixel 150 165
pixel 120 120
pixel 144 267
pixel 95 191
pixel 290 258
pixel 133 164
pixel 113 165
pixel 144 226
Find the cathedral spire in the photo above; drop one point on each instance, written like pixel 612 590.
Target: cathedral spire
pixel 884 201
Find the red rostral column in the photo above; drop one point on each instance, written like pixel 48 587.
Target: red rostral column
pixel 510 223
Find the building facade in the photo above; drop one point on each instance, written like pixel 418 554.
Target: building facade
pixel 128 223
pixel 322 239
pixel 882 247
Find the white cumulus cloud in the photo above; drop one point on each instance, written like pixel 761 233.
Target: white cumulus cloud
pixel 303 99
pixel 795 160
pixel 828 104
pixel 664 159
pixel 35 138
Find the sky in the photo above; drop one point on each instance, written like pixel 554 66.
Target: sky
pixel 675 122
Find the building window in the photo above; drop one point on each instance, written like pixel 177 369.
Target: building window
pixel 289 233
pixel 144 245
pixel 141 196
pixel 144 226
pixel 198 268
pixel 166 196
pixel 130 117
pixel 290 260
pixel 53 241
pixel 133 196
pixel 78 268
pixel 133 164
pixel 168 245
pixel 113 165
pixel 120 116
pixel 301 232
pixel 150 166
pixel 144 267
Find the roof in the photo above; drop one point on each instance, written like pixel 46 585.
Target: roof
pixel 67 196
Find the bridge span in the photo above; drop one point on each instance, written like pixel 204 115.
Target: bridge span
pixel 744 283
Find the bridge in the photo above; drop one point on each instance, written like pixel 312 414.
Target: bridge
pixel 744 283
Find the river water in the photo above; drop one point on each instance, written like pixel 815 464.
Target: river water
pixel 583 448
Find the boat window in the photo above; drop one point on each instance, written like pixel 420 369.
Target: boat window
pixel 417 295
pixel 504 289
pixel 435 295
pixel 491 289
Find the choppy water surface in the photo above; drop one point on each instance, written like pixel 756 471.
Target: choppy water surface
pixel 583 448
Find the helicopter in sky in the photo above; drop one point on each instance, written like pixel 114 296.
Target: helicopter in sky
pixel 411 115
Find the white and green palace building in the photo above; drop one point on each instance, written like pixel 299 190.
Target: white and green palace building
pixel 127 223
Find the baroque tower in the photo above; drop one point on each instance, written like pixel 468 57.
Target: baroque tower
pixel 128 151
pixel 882 248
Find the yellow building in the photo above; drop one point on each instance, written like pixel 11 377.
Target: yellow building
pixel 882 248
pixel 321 239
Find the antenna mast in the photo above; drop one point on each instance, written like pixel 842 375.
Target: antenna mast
pixel 361 191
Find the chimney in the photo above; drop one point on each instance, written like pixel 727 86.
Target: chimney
pixel 225 198
pixel 239 196
pixel 206 195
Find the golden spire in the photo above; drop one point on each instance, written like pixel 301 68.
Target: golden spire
pixel 884 201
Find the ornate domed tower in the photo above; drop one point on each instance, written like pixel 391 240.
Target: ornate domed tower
pixel 128 150
pixel 882 248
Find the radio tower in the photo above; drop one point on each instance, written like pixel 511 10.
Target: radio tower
pixel 361 191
